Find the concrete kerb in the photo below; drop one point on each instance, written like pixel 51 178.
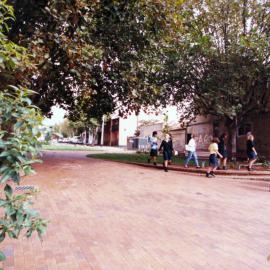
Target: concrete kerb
pixel 254 175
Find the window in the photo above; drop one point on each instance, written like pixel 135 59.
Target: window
pixel 188 137
pixel 115 125
pixel 244 128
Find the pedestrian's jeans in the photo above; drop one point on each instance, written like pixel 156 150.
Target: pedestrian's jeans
pixel 192 155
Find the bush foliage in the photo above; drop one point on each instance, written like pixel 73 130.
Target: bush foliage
pixel 19 146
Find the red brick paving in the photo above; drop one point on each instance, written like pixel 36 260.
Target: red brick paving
pixel 109 216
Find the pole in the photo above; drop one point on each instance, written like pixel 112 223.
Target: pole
pixel 102 130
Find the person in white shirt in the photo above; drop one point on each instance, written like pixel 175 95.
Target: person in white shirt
pixel 191 149
pixel 154 148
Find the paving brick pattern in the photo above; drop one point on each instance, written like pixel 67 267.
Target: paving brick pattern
pixel 109 216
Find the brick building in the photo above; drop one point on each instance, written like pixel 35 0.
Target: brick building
pixel 202 127
pixel 205 127
pixel 118 129
pixel 259 125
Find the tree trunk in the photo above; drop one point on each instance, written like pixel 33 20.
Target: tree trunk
pixel 232 138
pixel 110 132
pixel 233 132
pixel 86 135
pixel 94 133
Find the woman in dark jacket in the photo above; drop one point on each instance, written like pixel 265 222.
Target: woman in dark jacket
pixel 167 149
pixel 222 149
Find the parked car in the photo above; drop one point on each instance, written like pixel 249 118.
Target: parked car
pixel 76 139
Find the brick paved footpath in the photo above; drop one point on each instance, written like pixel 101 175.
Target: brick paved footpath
pixel 109 216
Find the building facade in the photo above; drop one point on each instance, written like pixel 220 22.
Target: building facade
pixel 202 127
pixel 259 125
pixel 147 130
pixel 205 127
pixel 117 130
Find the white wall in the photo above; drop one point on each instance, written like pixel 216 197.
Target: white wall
pixel 127 128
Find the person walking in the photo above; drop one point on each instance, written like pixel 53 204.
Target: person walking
pixel 170 160
pixel 213 161
pixel 251 151
pixel 191 148
pixel 167 148
pixel 153 148
pixel 222 148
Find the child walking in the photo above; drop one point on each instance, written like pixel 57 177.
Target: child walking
pixel 213 161
pixel 222 148
pixel 251 151
pixel 154 148
pixel 167 148
pixel 170 160
pixel 192 154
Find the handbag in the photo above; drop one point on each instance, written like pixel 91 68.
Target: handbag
pixel 187 148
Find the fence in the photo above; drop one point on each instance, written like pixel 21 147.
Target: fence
pixel 138 143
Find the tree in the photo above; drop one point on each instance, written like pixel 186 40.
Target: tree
pixel 14 61
pixel 65 128
pixel 144 123
pixel 104 51
pixel 221 64
pixel 166 128
pixel 19 121
pixel 82 118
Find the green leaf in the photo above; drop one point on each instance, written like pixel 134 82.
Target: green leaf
pixel 20 218
pixel 8 191
pixel 10 211
pixel 14 87
pixel 12 234
pixel 2 237
pixel 5 177
pixel 2 144
pixel 2 202
pixel 2 256
pixel 5 154
pixel 16 178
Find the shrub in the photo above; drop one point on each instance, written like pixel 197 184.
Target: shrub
pixel 19 149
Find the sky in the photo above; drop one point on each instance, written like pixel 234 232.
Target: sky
pixel 171 111
pixel 58 116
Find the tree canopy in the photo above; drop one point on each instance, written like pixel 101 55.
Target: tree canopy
pixel 223 60
pixel 207 57
pixel 104 52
